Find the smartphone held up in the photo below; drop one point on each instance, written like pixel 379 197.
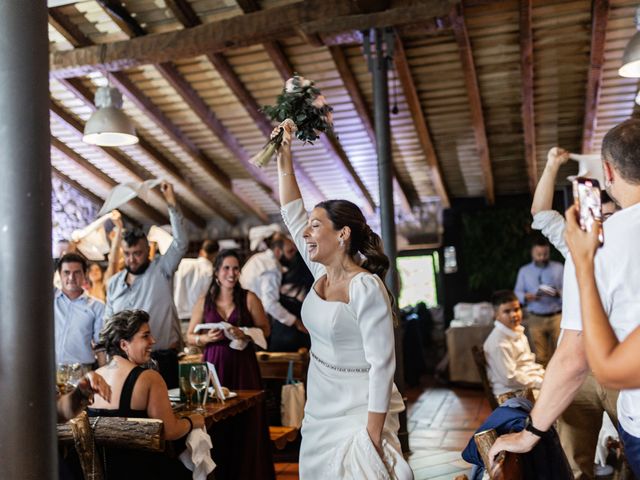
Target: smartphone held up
pixel 587 197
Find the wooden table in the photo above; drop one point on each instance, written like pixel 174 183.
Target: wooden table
pixel 147 435
pixel 217 411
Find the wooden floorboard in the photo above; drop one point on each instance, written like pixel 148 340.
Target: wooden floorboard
pixel 440 422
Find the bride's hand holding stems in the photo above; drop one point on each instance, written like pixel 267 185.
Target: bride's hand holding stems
pixel 289 190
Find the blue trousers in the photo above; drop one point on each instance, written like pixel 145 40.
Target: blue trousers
pixel 631 450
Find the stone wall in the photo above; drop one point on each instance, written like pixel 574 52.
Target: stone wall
pixel 70 210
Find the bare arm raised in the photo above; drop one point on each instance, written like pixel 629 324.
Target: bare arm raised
pixel 288 185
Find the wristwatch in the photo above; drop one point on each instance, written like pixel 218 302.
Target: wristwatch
pixel 528 426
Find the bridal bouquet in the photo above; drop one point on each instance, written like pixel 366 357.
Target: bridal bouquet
pixel 306 107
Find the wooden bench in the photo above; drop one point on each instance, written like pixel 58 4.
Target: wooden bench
pixel 280 436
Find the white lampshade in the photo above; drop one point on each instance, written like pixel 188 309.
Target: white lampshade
pixel 631 57
pixel 109 126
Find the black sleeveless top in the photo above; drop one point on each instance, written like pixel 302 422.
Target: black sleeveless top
pixel 124 409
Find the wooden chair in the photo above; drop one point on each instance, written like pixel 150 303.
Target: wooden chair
pixel 89 457
pixel 507 465
pixel 275 365
pixel 481 364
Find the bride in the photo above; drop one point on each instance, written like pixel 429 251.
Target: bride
pixel 350 422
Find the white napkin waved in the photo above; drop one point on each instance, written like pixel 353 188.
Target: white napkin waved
pixel 197 456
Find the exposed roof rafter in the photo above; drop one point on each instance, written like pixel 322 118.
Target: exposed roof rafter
pixel 419 120
pixel 599 17
pixel 528 114
pixel 459 27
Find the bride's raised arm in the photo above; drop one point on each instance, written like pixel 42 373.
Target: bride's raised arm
pixel 288 185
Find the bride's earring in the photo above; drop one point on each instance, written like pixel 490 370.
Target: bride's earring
pixel 341 242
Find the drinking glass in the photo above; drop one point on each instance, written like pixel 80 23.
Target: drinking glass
pixel 187 390
pixel 76 372
pixel 62 377
pixel 198 376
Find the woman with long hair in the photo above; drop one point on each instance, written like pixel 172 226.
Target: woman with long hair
pixel 351 416
pixel 243 449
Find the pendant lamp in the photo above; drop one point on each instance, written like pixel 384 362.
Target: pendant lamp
pixel 631 57
pixel 109 126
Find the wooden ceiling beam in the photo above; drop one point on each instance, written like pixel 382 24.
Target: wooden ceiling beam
pixel 145 209
pixel 528 113
pixel 80 91
pixel 122 18
pixel 404 191
pixel 135 171
pixel 313 17
pixel 419 121
pixel 461 34
pixel 599 17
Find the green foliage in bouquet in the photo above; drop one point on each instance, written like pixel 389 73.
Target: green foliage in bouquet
pixel 305 105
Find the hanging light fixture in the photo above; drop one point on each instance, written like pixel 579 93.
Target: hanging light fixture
pixel 631 57
pixel 109 126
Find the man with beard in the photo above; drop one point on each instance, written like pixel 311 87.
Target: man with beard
pixel 148 285
pixel 539 289
pixel 262 274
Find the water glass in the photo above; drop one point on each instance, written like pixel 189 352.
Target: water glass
pixel 199 377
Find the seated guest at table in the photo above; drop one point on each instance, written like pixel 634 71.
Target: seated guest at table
pixel 137 392
pixel 244 450
pixel 510 364
pixel 78 317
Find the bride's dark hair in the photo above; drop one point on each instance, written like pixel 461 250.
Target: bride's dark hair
pixel 344 213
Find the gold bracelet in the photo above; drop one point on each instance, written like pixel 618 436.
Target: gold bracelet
pixel 284 174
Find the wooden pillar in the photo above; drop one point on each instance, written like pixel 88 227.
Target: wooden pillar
pixel 27 392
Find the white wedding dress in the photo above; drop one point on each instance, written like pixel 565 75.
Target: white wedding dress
pixel 350 373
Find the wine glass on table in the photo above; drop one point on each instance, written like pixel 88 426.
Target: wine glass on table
pixel 199 377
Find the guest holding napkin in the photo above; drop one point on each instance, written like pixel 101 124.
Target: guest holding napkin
pixel 240 455
pixel 138 393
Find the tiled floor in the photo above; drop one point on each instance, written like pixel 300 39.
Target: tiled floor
pixel 440 423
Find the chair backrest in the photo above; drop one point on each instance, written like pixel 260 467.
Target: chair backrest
pixel 481 364
pixel 275 365
pixel 88 455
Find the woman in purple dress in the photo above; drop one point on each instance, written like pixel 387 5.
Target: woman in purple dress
pixel 241 447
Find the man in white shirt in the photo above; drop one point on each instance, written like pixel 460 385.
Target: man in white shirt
pixel 510 364
pixel 577 428
pixel 262 274
pixel 193 278
pixel 616 267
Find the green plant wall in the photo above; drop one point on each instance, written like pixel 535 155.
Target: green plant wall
pixel 496 243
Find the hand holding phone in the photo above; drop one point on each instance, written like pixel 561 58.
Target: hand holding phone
pixel 586 195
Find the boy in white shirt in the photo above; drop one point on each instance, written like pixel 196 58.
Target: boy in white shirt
pixel 510 364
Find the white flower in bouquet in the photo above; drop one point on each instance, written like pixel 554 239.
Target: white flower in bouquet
pixel 306 107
